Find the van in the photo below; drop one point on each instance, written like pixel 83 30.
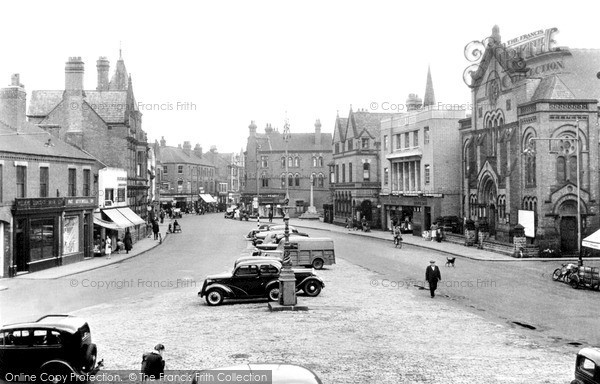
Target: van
pixel 306 251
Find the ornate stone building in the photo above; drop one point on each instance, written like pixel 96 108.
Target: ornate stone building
pixel 532 90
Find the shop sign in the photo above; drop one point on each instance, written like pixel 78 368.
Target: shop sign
pixel 80 201
pixel 420 201
pixel 51 202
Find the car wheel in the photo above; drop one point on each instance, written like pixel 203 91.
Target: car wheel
pixel 312 288
pixel 90 356
pixel 273 293
pixel 556 274
pixel 574 282
pixel 317 263
pixel 57 373
pixel 214 297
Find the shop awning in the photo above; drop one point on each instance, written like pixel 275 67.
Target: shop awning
pixel 103 223
pixel 207 198
pixel 131 216
pixel 592 241
pixel 117 217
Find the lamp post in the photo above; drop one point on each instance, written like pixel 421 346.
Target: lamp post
pixel 531 152
pixel 257 187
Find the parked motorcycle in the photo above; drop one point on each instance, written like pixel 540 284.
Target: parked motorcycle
pixel 562 274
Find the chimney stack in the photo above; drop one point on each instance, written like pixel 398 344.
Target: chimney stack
pixel 12 103
pixel 187 147
pixel 198 150
pixel 318 132
pixel 163 142
pixel 103 65
pixel 74 69
pixel 252 128
pixel 73 96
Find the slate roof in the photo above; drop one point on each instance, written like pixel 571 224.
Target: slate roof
pixel 43 102
pixel 298 142
pixel 580 73
pixel 360 121
pixel 341 123
pixel 552 87
pixel 175 155
pixel 32 140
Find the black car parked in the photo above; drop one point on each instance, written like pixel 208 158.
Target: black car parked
pixel 256 279
pixel 52 345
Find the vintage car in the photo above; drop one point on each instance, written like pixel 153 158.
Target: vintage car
pixel 257 278
pixel 261 228
pixel 587 366
pixel 314 252
pixel 272 241
pixel 53 344
pixel 261 236
pixel 279 373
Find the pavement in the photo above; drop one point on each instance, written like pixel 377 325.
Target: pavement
pixel 450 248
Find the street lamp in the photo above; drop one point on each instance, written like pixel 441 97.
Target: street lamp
pixel 530 151
pixel 257 187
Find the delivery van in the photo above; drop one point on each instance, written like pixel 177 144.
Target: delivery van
pixel 312 252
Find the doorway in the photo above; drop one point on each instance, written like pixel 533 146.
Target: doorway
pixel 568 234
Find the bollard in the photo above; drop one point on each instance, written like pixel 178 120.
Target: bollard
pixel 159 238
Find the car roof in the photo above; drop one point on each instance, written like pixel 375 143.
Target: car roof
pixel 64 322
pixel 281 373
pixel 260 261
pixel 591 353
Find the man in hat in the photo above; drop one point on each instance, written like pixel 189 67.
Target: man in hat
pixel 153 364
pixel 432 275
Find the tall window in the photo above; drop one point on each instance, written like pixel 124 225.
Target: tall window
pixel 415 138
pixel 343 173
pixel 314 161
pixel 321 181
pixel 398 141
pixel 264 179
pixel 314 179
pixel 297 180
pixel 283 162
pixel 350 172
pixel 86 182
pixel 120 195
pixel 530 164
pixel 282 179
pixel 320 163
pixel 109 194
pixel 337 147
pixel 350 145
pixel 386 175
pixel 331 174
pixel 180 169
pixel 290 180
pixel 44 181
pixel 366 171
pixel 165 169
pixel 21 181
pixel 407 140
pixel 296 161
pixel 337 173
pixel 385 143
pixel 1 182
pixel 426 135
pixel 140 162
pixel 427 174
pixel 264 161
pixel 365 143
pixel 290 161
pixel 179 186
pixel 72 182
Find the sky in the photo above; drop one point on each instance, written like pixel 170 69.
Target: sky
pixel 202 71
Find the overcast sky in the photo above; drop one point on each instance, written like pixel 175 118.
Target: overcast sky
pixel 237 61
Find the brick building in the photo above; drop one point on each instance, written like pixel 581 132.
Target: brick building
pixel 265 174
pixel 47 194
pixel 104 122
pixel 541 92
pixel 228 175
pixel 186 178
pixel 355 169
pixel 420 152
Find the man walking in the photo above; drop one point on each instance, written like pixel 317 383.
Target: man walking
pixel 432 275
pixel 153 363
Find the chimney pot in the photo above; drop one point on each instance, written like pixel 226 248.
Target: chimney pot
pixel 12 103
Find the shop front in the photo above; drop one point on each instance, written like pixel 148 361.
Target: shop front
pixel 49 232
pixel 418 210
pixel 114 223
pixel 266 203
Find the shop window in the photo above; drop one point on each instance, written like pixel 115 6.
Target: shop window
pixel 72 182
pixel 86 182
pixel 41 239
pixel 121 195
pixel 44 176
pixel 21 181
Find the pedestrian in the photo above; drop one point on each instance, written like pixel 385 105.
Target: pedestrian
pixel 432 275
pixel 271 215
pixel 120 246
pixel 155 229
pixel 438 234
pixel 433 232
pixel 128 242
pixel 108 247
pixel 162 216
pixel 153 363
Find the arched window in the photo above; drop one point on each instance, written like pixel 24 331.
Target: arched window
pixel 282 161
pixel 530 160
pixel 290 161
pixel 320 163
pixel 296 161
pixel 297 179
pixel 314 179
pixel 572 169
pixel 314 161
pixel 264 179
pixel 366 171
pixel 282 178
pixel 290 180
pixel 320 184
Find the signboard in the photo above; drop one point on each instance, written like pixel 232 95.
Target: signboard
pixel 527 220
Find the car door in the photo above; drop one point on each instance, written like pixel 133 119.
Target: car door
pixel 246 280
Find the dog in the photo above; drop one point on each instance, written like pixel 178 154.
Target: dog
pixel 450 261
